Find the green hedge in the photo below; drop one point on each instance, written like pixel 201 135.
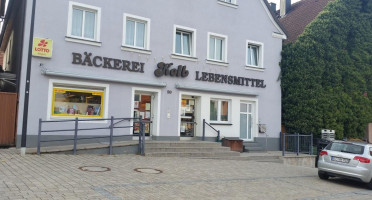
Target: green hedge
pixel 327 74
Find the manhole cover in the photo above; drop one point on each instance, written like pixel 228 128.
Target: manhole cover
pixel 148 170
pixel 94 169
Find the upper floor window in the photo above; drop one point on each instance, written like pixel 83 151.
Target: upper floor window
pixel 229 3
pixel 84 21
pixel 254 56
pixel 184 41
pixel 217 47
pixel 136 32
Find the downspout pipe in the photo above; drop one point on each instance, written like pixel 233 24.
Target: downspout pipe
pixel 27 87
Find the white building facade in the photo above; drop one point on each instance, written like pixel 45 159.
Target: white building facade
pixel 174 63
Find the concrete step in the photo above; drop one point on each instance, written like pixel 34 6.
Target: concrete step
pixel 187 149
pixel 253 147
pixel 251 144
pixel 194 154
pixel 155 144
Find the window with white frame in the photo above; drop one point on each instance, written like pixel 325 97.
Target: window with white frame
pixel 229 3
pixel 217 47
pixel 219 110
pixel 254 54
pixel 184 41
pixel 84 21
pixel 136 32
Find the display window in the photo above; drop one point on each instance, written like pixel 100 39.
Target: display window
pixel 69 102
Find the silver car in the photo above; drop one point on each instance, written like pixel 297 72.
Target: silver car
pixel 352 160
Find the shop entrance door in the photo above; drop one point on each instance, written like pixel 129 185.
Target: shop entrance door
pixel 187 127
pixel 143 108
pixel 246 121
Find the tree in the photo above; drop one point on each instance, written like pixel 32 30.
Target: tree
pixel 327 74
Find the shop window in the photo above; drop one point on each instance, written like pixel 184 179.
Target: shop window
pixel 136 32
pixel 219 110
pixel 69 102
pixel 84 21
pixel 254 56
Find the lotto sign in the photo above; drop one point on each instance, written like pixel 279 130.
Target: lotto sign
pixel 42 47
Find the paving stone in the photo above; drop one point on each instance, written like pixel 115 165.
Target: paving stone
pixel 52 176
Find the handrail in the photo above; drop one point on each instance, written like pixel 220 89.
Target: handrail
pixel 218 131
pixel 76 129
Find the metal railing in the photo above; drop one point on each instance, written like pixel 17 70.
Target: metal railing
pixel 76 129
pixel 297 143
pixel 218 131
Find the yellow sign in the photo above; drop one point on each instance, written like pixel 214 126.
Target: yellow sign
pixel 42 47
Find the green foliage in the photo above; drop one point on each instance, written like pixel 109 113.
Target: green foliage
pixel 326 73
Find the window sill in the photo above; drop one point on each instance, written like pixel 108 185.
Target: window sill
pixel 182 57
pixel 137 50
pixel 231 5
pixel 225 124
pixel 215 62
pixel 254 68
pixel 83 41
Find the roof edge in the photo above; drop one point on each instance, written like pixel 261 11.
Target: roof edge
pixel 274 19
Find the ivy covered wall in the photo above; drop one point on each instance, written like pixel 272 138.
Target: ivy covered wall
pixel 327 74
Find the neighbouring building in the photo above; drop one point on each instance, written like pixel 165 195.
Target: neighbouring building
pixel 174 63
pixel 295 17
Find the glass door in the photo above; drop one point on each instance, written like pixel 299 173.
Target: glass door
pixel 142 108
pixel 187 128
pixel 246 121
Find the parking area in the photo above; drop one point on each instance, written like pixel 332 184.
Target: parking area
pixel 51 176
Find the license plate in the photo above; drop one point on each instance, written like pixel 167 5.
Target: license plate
pixel 338 159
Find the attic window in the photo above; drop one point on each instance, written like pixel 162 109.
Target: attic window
pixel 228 3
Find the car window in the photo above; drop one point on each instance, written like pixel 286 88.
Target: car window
pixel 370 151
pixel 346 147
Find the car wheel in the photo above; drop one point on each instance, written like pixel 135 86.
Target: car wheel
pixel 369 185
pixel 323 175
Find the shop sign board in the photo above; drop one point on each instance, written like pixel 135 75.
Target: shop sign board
pixel 42 47
pixel 88 59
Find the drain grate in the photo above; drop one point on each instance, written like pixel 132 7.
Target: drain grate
pixel 148 170
pixel 94 169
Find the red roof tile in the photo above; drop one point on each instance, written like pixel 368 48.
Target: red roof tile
pixel 300 15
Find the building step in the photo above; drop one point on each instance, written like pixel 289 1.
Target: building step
pixel 156 144
pixel 187 149
pixel 194 154
pixel 253 147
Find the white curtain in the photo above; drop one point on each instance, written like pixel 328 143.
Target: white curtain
pixel 186 43
pixel 178 43
pixel 140 34
pixel 89 25
pixel 77 22
pixel 255 56
pixel 211 48
pixel 129 34
pixel 218 49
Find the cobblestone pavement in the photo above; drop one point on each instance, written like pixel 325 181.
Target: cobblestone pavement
pixel 51 176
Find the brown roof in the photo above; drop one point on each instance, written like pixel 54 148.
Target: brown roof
pixel 300 15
